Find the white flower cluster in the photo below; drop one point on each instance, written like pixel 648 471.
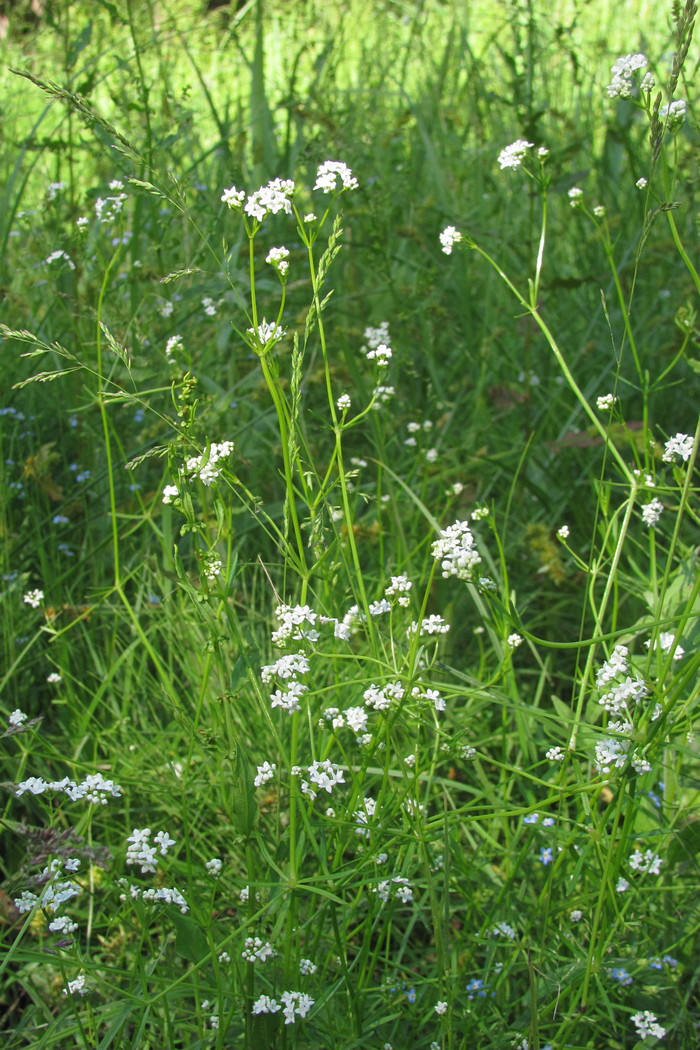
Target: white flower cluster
pixel 512 156
pixel 204 467
pixel 379 607
pixel 448 238
pixel 605 402
pixel 618 699
pixel 456 552
pixel 256 950
pixel 380 697
pixel 307 967
pixel 646 863
pixel 651 512
pixel 382 394
pixel 399 589
pixel 265 772
pixel 332 172
pixel 374 337
pixel 34 598
pixel 398 887
pixel 503 929
pixel 140 851
pixel 63 925
pixel 174 345
pixel 675 113
pixel 622 75
pixel 267 332
pixel 611 753
pixel 293 1005
pixel 55 890
pixel 433 695
pixel 430 625
pixel 76 986
pixel 278 257
pixel 289 698
pixel 107 208
pixel 60 254
pixel 381 354
pixel 325 775
pixel 665 643
pixel 270 199
pixel 680 445
pixel 292 620
pixel 354 718
pixel 287 666
pixel 645 1023
pixel 95 788
pixel 361 817
pixel 159 895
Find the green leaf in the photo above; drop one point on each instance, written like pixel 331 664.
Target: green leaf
pixel 190 942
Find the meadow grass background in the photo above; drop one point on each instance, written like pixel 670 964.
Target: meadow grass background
pixel 459 883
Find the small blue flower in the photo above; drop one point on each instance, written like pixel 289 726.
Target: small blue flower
pixel 618 973
pixel 547 822
pixel 546 855
pixel 476 985
pixel 411 995
pixel 531 818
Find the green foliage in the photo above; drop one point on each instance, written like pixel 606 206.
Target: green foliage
pixel 266 734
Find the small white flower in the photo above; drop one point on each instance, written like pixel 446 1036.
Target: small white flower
pixel 575 915
pixel 277 257
pixel 441 1007
pixel 646 862
pixel 563 532
pixel 214 866
pixel 270 199
pixel 599 211
pixel 555 754
pixel 77 986
pixel 623 72
pixel 54 678
pixel 170 492
pixel 267 333
pixel 256 950
pixel 513 641
pixel 665 642
pixel 575 195
pixel 651 512
pixel 646 1024
pixel 34 598
pixel 233 197
pixel 680 445
pixel 675 112
pixel 605 402
pixel 343 402
pixel 17 718
pixel 334 175
pixel 456 552
pixel 307 967
pixel 265 772
pixel 512 156
pixel 448 238
pixel 381 354
pixel 642 183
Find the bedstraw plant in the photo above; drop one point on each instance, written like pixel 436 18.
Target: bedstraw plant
pixel 349 698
